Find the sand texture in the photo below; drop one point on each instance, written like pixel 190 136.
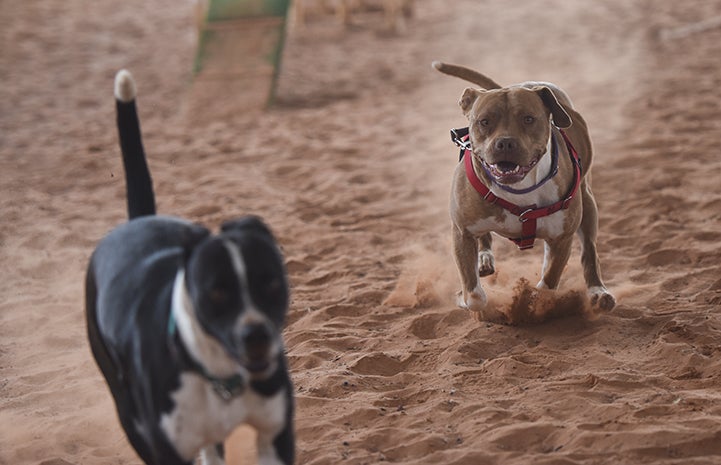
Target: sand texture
pixel 352 170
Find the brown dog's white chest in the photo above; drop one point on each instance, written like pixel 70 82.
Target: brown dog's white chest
pixel 476 215
pixel 510 226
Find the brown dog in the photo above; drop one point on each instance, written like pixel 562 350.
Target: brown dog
pixel 525 175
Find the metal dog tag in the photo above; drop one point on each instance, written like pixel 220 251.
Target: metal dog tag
pixel 229 389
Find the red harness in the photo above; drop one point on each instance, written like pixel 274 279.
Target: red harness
pixel 529 214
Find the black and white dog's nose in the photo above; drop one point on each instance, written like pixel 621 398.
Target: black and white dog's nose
pixel 256 340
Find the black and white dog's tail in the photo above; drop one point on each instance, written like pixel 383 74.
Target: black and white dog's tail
pixel 138 183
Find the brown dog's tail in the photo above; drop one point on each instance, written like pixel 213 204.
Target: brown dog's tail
pixel 466 74
pixel 138 183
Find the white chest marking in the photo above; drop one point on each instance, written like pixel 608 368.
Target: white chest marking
pixel 201 418
pixel 509 225
pixel 202 347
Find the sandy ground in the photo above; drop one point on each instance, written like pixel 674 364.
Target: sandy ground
pixel 352 169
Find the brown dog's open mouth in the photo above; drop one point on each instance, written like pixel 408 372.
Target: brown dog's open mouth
pixel 506 172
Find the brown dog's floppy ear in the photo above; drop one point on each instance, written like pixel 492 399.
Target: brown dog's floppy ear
pixel 560 117
pixel 468 99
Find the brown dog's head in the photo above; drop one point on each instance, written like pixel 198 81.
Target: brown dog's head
pixel 510 128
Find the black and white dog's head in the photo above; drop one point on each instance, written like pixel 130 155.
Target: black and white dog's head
pixel 236 287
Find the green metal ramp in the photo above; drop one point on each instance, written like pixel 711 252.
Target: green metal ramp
pixel 239 50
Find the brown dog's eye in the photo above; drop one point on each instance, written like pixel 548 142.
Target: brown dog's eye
pixel 483 122
pixel 529 119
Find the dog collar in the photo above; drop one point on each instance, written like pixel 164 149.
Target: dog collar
pixel 527 215
pixel 226 388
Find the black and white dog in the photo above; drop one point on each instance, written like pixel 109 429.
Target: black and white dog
pixel 185 325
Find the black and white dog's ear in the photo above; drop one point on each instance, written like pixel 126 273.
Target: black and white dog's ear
pixel 193 235
pixel 248 223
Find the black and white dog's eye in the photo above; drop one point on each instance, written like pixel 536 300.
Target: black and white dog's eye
pixel 219 296
pixel 273 285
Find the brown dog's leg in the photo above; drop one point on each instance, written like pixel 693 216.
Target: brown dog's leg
pixel 465 248
pixel 408 8
pixel 391 9
pixel 554 261
pixel 600 297
pixel 343 10
pixel 486 262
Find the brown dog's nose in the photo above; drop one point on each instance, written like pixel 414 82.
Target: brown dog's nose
pixel 505 144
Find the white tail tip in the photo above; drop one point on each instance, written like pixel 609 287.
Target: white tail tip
pixel 124 86
pixel 437 64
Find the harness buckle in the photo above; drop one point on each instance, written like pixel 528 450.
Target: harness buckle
pixel 490 197
pixel 228 389
pixel 458 135
pixel 522 217
pixel 524 242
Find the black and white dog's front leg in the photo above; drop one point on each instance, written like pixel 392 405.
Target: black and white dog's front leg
pixel 274 421
pixel 213 455
pixel 276 440
pixel 278 449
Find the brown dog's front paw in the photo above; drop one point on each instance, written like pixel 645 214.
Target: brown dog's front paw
pixel 601 298
pixel 477 303
pixel 486 264
pixel 474 301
